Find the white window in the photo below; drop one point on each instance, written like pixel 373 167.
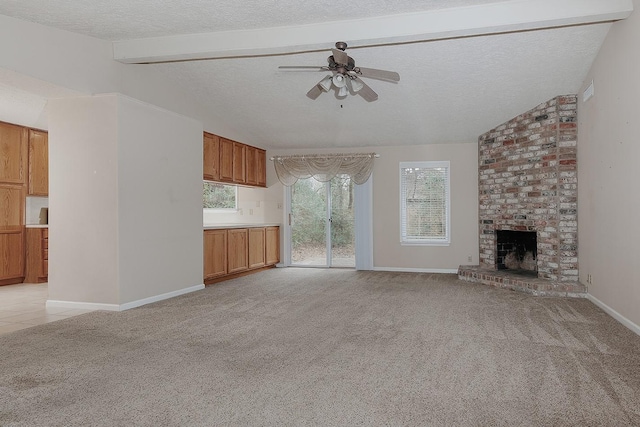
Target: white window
pixel 425 203
pixel 219 196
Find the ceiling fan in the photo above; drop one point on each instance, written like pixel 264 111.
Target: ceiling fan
pixel 345 76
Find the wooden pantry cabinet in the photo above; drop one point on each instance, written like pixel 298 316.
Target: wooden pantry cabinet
pixel 234 252
pixel 233 162
pixel 13 181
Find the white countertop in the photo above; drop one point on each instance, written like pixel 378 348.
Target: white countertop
pixel 37 226
pixel 221 226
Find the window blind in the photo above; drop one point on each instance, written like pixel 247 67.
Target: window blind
pixel 424 202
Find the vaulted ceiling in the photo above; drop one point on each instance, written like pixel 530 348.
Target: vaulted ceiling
pixel 465 66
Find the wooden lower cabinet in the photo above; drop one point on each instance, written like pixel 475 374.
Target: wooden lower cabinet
pixel 256 248
pixel 238 251
pixel 215 253
pixel 272 245
pixel 37 263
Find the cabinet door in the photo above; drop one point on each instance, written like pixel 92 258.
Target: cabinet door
pixel 272 245
pixel 38 163
pixel 261 167
pixel 252 165
pixel 256 247
pixel 239 163
pixel 11 207
pixel 13 154
pixel 237 246
pixel 226 160
pixel 215 253
pixel 211 157
pixel 11 257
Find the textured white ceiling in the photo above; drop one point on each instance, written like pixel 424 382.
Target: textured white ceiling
pixel 127 19
pixel 450 90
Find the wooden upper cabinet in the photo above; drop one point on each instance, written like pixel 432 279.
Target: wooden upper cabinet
pixel 261 167
pixel 233 162
pixel 239 163
pixel 252 165
pixel 211 157
pixel 38 163
pixel 226 160
pixel 13 154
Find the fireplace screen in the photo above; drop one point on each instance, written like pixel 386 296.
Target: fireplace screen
pixel 517 250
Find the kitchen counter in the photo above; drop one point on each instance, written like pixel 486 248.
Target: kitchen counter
pixel 225 226
pixel 37 226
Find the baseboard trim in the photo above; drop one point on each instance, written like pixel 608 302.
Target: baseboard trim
pixel 418 270
pixel 611 312
pixel 121 307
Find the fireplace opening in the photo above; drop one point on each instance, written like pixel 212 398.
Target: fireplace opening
pixel 517 251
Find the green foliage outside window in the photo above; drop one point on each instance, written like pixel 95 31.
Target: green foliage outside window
pixel 218 196
pixel 309 208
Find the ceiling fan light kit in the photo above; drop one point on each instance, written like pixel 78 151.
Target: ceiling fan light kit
pixel 346 76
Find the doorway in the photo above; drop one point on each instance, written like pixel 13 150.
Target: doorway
pixel 321 220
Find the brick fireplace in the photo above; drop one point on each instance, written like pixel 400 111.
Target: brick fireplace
pixel 528 183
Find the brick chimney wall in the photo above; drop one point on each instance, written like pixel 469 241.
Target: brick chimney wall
pixel 528 181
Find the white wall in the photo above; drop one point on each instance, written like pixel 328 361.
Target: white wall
pixel 159 201
pixel 49 58
pixel 388 253
pixel 125 201
pixel 608 173
pixel 83 200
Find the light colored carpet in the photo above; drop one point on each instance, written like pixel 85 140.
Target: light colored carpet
pixel 328 347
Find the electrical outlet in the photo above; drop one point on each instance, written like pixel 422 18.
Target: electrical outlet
pixel 469 258
pixel 250 211
pixel 279 205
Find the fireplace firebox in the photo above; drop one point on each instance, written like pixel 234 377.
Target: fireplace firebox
pixel 517 251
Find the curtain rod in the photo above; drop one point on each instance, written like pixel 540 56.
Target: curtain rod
pixel 325 156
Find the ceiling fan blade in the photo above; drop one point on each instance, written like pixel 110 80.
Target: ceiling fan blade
pixel 314 92
pixel 367 93
pixel 340 56
pixel 304 67
pixel 372 73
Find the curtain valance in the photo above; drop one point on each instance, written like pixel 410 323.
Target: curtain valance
pixel 324 167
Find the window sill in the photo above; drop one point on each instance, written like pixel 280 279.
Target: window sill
pixel 425 243
pixel 221 211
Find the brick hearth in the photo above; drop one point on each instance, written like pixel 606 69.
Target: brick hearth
pixel 531 285
pixel 528 182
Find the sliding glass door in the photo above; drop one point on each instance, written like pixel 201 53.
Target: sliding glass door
pixel 321 217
